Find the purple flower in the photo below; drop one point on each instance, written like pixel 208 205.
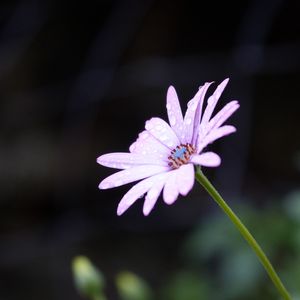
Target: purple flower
pixel 164 155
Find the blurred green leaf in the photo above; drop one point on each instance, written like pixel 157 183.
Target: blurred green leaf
pixel 132 287
pixel 88 280
pixel 188 286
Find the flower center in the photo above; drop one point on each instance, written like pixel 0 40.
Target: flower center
pixel 180 155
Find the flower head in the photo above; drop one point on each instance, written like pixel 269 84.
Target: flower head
pixel 164 155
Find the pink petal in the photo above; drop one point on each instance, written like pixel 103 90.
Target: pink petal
pixel 207 159
pixel 127 160
pixel 192 116
pixel 185 178
pixel 153 195
pixel 138 190
pixel 147 144
pixel 214 135
pixel 212 101
pixel 171 192
pixel 131 175
pixel 174 111
pixel 223 115
pixel 162 132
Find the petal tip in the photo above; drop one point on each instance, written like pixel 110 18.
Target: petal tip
pixel 104 185
pixel 99 160
pixel 171 89
pixel 121 209
pixel 146 212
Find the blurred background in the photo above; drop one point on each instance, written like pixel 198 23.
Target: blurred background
pixel 80 80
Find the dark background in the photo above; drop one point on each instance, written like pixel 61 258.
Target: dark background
pixel 80 80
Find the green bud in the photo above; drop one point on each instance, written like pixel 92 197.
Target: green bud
pixel 132 287
pixel 88 280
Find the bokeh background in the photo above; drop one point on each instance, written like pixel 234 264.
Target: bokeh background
pixel 80 79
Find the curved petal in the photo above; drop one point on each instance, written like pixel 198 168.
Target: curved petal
pixel 212 101
pixel 193 114
pixel 131 175
pixel 185 178
pixel 171 192
pixel 147 144
pixel 153 195
pixel 174 111
pixel 120 160
pixel 162 132
pixel 207 159
pixel 214 135
pixel 138 190
pixel 223 115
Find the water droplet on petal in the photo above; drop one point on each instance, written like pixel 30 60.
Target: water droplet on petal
pixel 168 106
pixel 189 103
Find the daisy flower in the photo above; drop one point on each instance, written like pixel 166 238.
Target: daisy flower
pixel 164 155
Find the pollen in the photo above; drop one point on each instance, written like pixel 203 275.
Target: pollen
pixel 180 155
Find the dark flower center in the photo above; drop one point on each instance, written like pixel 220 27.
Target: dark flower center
pixel 180 155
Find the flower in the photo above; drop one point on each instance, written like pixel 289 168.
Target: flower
pixel 163 156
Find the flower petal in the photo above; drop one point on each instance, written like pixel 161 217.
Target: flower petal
pixel 131 175
pixel 162 132
pixel 174 111
pixel 138 190
pixel 185 178
pixel 207 159
pixel 212 101
pixel 192 116
pixel 153 195
pixel 147 144
pixel 171 192
pixel 214 135
pixel 121 160
pixel 223 115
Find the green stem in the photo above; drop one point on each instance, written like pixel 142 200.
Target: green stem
pixel 202 179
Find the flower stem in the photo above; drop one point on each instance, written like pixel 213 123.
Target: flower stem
pixel 202 179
